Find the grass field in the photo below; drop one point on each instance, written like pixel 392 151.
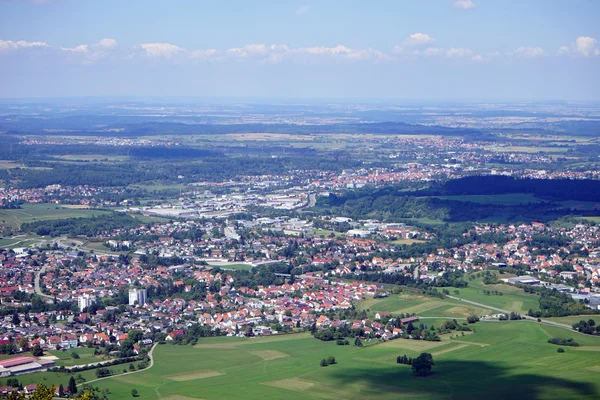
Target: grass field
pixel 574 319
pixel 86 356
pixel 240 267
pixel 527 149
pixel 407 241
pixel 500 360
pixel 513 298
pixel 91 157
pixel 423 306
pixel 36 212
pixel 326 233
pixel 592 219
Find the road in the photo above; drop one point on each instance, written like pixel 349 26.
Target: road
pixel 544 321
pixel 312 200
pixel 37 282
pixel 150 355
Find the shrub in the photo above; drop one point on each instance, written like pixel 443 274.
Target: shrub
pixel 323 363
pixel 560 350
pixel 331 360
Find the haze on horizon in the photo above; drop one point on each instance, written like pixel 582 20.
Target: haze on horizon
pixel 426 50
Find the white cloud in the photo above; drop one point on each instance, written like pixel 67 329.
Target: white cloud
pixel 478 58
pixel 586 46
pixel 249 50
pixel 463 4
pixel 303 9
pixel 203 54
pixel 530 51
pixel 82 48
pixel 21 44
pixel 433 51
pixel 418 39
pixel 458 52
pixel 161 49
pixel 107 43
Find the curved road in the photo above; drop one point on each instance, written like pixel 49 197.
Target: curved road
pixel 544 321
pixel 127 373
pixel 37 282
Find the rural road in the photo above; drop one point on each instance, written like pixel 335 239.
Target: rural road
pixel 544 321
pixel 127 373
pixel 312 200
pixel 37 282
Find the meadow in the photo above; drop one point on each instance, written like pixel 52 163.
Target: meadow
pixel 500 360
pixel 36 212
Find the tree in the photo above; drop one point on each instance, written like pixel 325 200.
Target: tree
pixel 72 386
pixel 61 391
pixel 75 355
pixel 323 363
pixel 357 342
pixel 44 392
pixel 15 319
pixel 13 382
pixel 24 344
pixel 422 365
pixel 37 351
pixel 134 393
pixel 136 336
pixel 331 360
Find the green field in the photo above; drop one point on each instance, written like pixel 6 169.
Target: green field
pixel 326 233
pixel 422 306
pixel 36 212
pixel 86 356
pixel 574 319
pixel 240 267
pixel 513 298
pixel 501 360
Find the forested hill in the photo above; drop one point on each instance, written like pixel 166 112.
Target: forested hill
pixel 551 189
pixel 397 204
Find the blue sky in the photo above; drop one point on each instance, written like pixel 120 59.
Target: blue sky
pixel 411 49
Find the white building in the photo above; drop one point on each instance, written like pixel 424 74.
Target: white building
pixel 137 295
pixel 85 301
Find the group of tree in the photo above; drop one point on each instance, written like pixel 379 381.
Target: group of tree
pixel 422 364
pixel 513 316
pixel 404 359
pixel 588 327
pixel 92 226
pixel 557 304
pixel 44 392
pixel 563 342
pixel 327 361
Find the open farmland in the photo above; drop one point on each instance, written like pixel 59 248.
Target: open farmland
pixel 499 360
pixel 37 212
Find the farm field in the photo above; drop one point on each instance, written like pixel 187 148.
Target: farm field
pixel 422 306
pixel 36 212
pixel 500 360
pixel 407 241
pixel 570 320
pixel 241 267
pixel 86 356
pixel 326 233
pixel 513 298
pixel 527 149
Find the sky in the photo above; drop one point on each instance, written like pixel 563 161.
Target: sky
pixel 501 50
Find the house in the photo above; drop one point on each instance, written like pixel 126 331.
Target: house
pixel 382 314
pixel 409 320
pixel 174 334
pixel 68 341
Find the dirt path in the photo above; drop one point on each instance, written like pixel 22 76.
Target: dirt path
pixel 150 355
